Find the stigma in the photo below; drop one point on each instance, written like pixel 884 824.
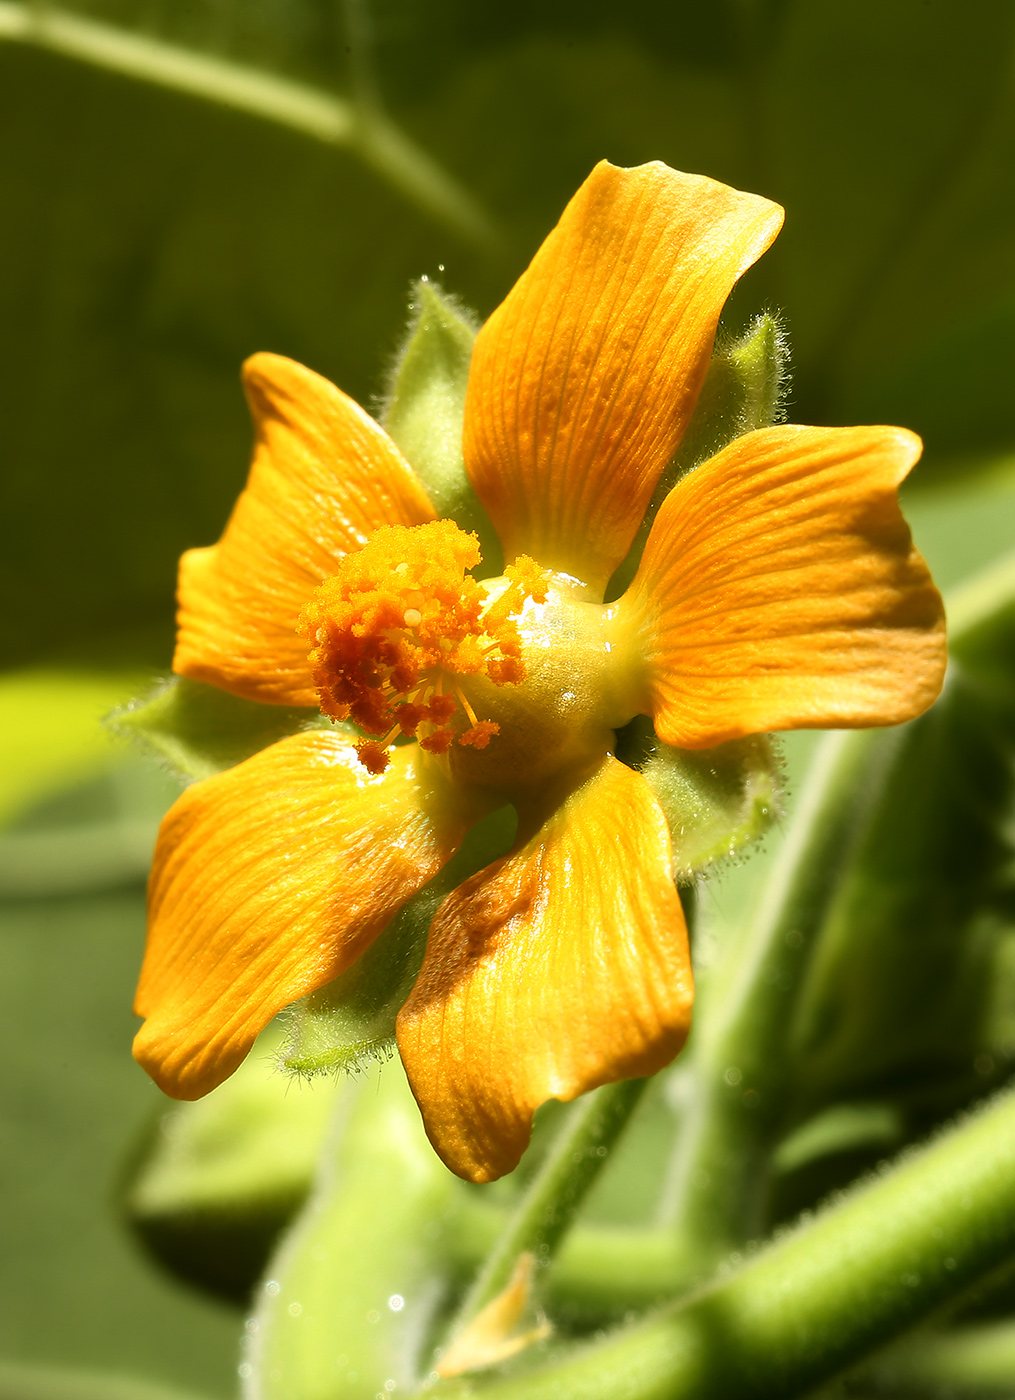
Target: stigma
pixel 395 631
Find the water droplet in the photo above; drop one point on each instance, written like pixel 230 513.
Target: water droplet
pixel 373 1315
pixel 396 1302
pixel 252 1325
pixel 733 1076
pixel 273 1288
pixel 295 1309
pixel 245 1369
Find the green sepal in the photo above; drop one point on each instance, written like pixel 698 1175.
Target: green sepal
pixel 743 391
pixel 200 730
pixel 352 1019
pixel 425 408
pixel 217 1180
pixel 716 801
pixel 350 1299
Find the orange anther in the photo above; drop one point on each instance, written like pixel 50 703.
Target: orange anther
pixel 398 617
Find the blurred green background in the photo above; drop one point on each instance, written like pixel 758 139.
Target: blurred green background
pixel 184 182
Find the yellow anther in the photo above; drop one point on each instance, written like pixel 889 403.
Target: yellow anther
pixel 398 616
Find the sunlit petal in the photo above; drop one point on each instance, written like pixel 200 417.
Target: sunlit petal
pixel 269 880
pixel 560 968
pixel 324 477
pixel 779 589
pixel 583 380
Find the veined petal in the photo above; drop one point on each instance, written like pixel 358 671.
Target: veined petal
pixel 269 880
pixel 779 589
pixel 559 968
pixel 583 380
pixel 324 477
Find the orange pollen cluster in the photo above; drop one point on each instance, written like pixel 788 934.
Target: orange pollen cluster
pixel 399 621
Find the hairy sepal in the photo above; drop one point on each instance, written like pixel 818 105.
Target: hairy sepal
pixel 743 391
pixel 425 405
pixel 198 730
pixel 716 801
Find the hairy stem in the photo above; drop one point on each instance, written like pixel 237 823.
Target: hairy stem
pixel 825 1296
pixel 548 1206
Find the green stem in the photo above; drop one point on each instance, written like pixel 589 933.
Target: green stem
pixel 825 1296
pixel 739 1053
pixel 548 1205
pixel 298 106
pixel 601 1270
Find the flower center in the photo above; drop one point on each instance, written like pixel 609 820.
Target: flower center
pixel 400 622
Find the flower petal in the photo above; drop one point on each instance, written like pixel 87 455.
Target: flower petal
pixel 559 968
pixel 269 880
pixel 324 477
pixel 779 589
pixel 583 380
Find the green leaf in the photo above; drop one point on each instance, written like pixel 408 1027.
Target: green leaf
pixel 894 161
pixel 981 617
pixel 21 1382
pixel 96 835
pixel 352 1019
pixel 201 730
pixel 75 1291
pixel 716 800
pixel 220 1178
pixel 902 995
pixel 51 731
pixel 351 1296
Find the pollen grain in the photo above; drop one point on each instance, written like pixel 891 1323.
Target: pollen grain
pixel 399 622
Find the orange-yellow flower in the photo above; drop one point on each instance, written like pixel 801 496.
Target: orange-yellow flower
pixel 778 589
